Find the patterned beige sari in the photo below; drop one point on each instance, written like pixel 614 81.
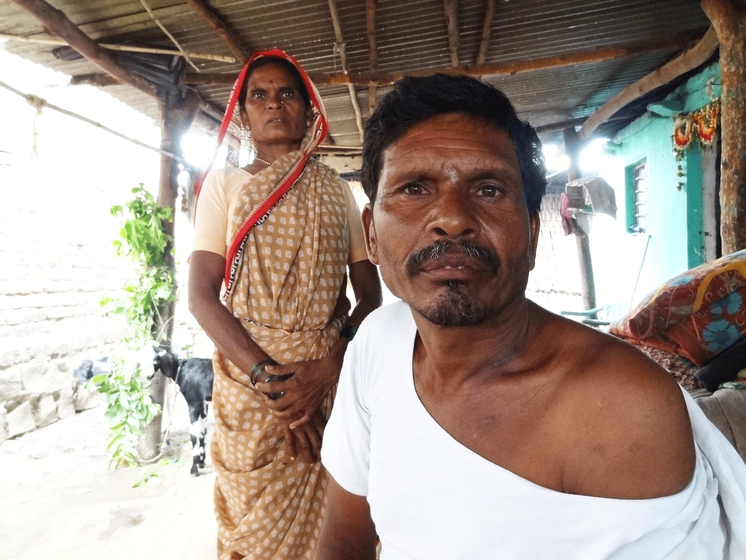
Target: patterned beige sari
pixel 288 280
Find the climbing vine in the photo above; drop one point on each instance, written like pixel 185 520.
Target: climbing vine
pixel 142 239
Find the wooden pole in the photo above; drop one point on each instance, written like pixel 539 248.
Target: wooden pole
pixel 57 23
pixel 587 284
pixel 177 117
pixel 730 24
pixel 450 9
pixel 370 29
pixel 489 15
pixel 341 49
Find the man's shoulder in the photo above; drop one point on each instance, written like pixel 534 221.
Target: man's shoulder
pixel 384 334
pixel 392 316
pixel 634 418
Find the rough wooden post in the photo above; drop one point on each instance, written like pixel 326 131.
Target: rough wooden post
pixel 587 284
pixel 730 25
pixel 177 117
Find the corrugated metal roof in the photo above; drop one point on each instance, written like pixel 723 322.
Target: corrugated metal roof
pixel 411 35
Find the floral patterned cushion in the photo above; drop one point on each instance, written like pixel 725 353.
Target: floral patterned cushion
pixel 696 314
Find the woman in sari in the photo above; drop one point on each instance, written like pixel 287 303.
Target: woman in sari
pixel 280 233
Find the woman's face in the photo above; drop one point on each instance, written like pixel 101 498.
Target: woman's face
pixel 274 110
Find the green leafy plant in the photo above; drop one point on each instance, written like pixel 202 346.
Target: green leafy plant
pixel 170 461
pixel 143 240
pixel 128 408
pixel 146 478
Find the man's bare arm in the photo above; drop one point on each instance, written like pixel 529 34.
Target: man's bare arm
pixel 348 532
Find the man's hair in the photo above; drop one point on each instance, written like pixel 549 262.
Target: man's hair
pixel 414 100
pixel 276 61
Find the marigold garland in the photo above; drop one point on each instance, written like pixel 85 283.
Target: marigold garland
pixel 701 125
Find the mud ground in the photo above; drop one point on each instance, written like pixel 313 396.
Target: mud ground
pixel 59 499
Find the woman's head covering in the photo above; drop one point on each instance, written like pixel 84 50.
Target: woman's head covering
pixel 232 133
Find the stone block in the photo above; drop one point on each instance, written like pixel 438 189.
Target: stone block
pixel 66 404
pixel 21 420
pixel 34 376
pixel 59 378
pixel 3 424
pixel 11 384
pixel 85 399
pixel 46 411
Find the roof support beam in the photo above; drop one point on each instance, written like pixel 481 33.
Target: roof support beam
pixel 450 9
pixel 730 24
pixel 340 45
pixel 219 27
pixel 509 68
pixel 57 23
pixel 489 15
pixel 122 48
pixel 168 34
pixel 370 28
pixel 688 60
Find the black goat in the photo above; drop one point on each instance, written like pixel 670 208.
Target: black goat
pixel 90 368
pixel 194 377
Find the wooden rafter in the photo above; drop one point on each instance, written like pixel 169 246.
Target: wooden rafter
pixel 370 28
pixel 450 9
pixel 121 48
pixel 219 27
pixel 489 15
pixel 688 60
pixel 168 34
pixel 57 23
pixel 96 80
pixel 508 68
pixel 340 45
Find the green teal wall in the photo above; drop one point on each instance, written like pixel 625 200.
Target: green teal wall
pixel 674 203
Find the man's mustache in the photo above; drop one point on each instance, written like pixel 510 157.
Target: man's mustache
pixel 441 247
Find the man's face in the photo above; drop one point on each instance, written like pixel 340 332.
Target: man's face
pixel 449 227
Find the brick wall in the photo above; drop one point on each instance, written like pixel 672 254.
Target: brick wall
pixel 56 256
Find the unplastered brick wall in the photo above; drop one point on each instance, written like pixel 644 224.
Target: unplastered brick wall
pixel 58 262
pixel 59 178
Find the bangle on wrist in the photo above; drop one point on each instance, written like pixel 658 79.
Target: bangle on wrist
pixel 348 332
pixel 258 369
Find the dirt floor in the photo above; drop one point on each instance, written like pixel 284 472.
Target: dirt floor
pixel 59 499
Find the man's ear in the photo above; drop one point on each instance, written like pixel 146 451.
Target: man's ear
pixel 369 229
pixel 534 227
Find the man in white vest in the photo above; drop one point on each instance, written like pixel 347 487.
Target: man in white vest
pixel 470 422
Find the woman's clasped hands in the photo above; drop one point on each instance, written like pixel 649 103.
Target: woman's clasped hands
pixel 294 392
